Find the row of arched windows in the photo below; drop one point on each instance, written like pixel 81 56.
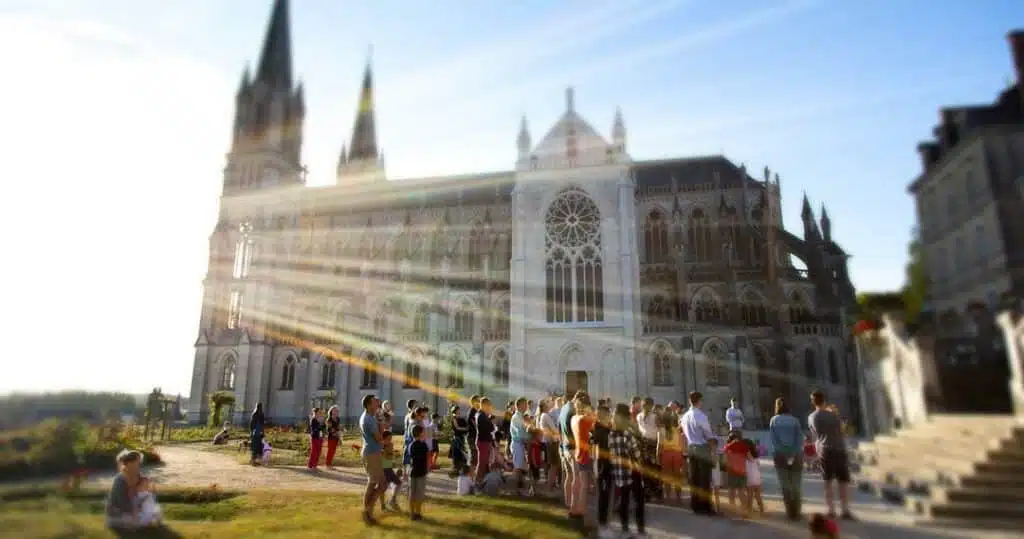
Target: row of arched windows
pixel 657 236
pixel 716 366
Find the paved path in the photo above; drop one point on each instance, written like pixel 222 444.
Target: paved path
pixel 193 467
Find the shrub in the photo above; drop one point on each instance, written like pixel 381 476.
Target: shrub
pixel 64 447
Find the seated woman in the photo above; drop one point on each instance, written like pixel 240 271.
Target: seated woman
pixel 131 503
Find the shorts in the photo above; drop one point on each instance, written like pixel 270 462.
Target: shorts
pixel 519 455
pixel 735 480
pixel 835 465
pixel 568 458
pixel 417 489
pixel 374 466
pixel 551 454
pixel 391 477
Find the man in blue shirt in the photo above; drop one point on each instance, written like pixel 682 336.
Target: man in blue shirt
pixel 568 447
pixel 376 484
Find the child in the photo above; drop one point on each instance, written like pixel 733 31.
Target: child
pixel 266 453
pixel 493 481
pixel 130 503
pixel 316 440
pixel 464 486
pixel 433 434
pixel 419 455
pixel 737 453
pixel 823 528
pixel 388 462
pixel 716 473
pixel 535 456
pixel 754 477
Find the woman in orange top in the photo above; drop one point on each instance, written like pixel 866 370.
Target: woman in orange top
pixel 582 425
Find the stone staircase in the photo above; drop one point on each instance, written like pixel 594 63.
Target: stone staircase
pixel 954 468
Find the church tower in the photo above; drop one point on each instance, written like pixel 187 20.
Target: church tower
pixel 269 111
pixel 265 155
pixel 362 160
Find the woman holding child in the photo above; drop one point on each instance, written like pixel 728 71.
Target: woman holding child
pixel 131 503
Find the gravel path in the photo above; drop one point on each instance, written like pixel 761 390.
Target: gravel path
pixel 186 466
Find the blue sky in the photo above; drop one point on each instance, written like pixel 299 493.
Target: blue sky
pixel 118 118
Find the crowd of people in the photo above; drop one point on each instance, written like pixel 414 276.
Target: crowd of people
pixel 629 453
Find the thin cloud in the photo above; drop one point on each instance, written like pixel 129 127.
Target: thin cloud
pixel 708 36
pixel 568 31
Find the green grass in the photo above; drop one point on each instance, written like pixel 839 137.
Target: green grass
pixel 225 515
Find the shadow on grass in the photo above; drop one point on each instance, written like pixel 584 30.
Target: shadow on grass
pixel 156 532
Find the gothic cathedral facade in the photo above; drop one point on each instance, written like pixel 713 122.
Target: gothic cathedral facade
pixel 578 268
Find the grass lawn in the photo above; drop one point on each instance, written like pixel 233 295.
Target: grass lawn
pixel 347 456
pixel 224 515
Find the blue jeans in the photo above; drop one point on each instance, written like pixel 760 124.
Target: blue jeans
pixel 791 482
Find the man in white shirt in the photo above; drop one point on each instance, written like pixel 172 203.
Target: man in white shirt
pixel 697 429
pixel 734 416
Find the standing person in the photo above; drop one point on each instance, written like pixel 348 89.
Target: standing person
pixel 428 435
pixel 737 453
pixel 582 426
pixel 626 467
pixel 827 430
pixel 734 416
pixel 333 434
pixel 568 451
pixel 420 453
pixel 256 422
pixel 373 458
pixel 698 433
pixel 635 407
pixel 474 408
pixel 457 450
pixel 484 439
pixel 550 440
pixel 670 454
pixel 787 440
pixel 409 423
pixel 316 440
pixel 647 422
pixel 519 436
pixel 602 451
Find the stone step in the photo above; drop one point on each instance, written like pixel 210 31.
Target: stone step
pixel 970 510
pixel 967 526
pixel 1002 467
pixel 982 480
pixel 1002 493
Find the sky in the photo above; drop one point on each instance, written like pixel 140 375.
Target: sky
pixel 116 117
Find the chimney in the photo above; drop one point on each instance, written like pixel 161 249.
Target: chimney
pixel 929 152
pixel 948 129
pixel 1016 38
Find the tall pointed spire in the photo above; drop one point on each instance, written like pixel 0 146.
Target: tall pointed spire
pixel 364 132
pixel 275 67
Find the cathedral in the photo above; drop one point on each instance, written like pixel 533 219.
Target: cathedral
pixel 577 268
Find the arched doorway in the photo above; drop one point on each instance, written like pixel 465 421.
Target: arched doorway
pixel 576 381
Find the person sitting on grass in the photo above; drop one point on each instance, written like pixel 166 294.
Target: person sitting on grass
pixel 493 481
pixel 131 503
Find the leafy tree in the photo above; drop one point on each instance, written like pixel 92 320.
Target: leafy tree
pixel 916 286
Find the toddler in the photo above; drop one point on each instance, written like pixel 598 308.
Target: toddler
pixel 535 457
pixel 266 453
pixel 716 473
pixel 464 486
pixel 754 491
pixel 493 481
pixel 434 432
pixel 737 454
pixel 392 478
pixel 823 528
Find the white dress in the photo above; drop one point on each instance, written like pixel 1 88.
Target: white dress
pixel 753 473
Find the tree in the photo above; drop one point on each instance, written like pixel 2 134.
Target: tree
pixel 916 286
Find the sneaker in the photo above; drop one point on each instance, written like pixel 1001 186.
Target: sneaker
pixel 368 519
